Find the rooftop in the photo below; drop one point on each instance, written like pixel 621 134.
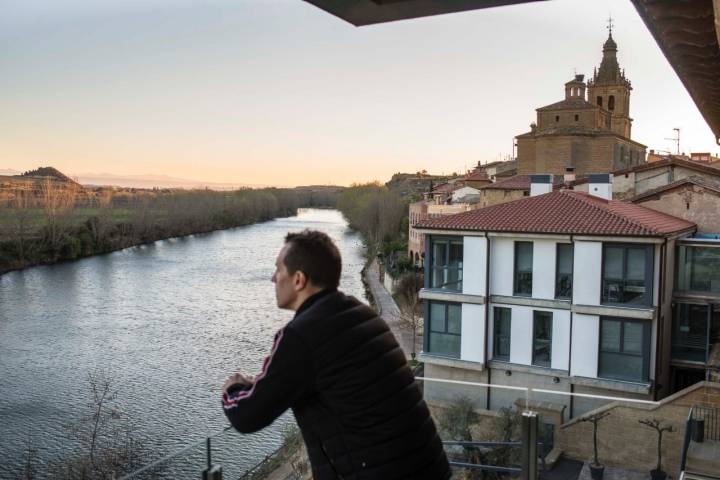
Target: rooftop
pixel 694 180
pixel 672 161
pixel 518 182
pixel 565 212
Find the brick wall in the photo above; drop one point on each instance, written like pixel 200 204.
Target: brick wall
pixel 623 442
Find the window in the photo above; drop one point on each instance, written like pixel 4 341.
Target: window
pixel 627 274
pixel 611 102
pixel 446 264
pixel 599 100
pixel 698 268
pixel 564 271
pixel 542 339
pixel 624 349
pixel 523 268
pixel 557 118
pixel 577 117
pixel 501 333
pixel 690 332
pixel 445 329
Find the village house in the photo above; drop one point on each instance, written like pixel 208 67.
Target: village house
pixel 561 289
pixel 630 182
pixel 445 199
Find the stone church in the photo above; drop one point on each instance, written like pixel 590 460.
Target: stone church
pixel 589 130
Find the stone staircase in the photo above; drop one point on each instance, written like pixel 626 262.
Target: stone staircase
pixel 703 460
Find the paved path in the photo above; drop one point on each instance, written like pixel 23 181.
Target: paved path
pixel 390 311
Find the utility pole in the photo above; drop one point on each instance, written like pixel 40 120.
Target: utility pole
pixel 676 139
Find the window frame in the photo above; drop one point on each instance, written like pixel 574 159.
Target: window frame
pixel 429 330
pixel 534 362
pixel 496 337
pixel 649 294
pixel 645 355
pixel 557 270
pixel 448 241
pixel 517 243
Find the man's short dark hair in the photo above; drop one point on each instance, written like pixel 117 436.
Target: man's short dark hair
pixel 314 254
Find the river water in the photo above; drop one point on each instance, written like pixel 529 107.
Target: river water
pixel 167 322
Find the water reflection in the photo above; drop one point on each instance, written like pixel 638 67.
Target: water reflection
pixel 169 320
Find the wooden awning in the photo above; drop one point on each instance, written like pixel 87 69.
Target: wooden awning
pixel 367 12
pixel 688 33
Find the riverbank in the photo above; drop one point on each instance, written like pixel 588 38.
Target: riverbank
pixel 41 231
pixel 78 248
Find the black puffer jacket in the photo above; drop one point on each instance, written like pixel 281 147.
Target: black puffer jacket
pixel 340 369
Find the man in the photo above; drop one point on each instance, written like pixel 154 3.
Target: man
pixel 340 369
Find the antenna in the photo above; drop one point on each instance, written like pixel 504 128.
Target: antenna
pixel 676 139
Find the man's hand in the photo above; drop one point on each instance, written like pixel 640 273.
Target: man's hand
pixel 238 378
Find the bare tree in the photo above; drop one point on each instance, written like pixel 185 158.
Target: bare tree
pixel 58 202
pixel 656 425
pixel 594 419
pixel 108 446
pixel 407 293
pixel 101 224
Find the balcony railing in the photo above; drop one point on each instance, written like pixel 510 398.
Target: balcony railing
pixel 215 456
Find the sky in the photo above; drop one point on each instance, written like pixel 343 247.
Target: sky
pixel 279 92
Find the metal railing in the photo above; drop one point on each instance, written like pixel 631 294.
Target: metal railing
pixel 207 458
pixel 709 418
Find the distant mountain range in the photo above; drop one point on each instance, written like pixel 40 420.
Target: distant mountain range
pixel 143 181
pixel 150 181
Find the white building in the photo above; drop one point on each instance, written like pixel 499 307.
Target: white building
pixel 561 290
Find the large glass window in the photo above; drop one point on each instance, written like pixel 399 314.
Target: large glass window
pixel 624 349
pixel 523 268
pixel 542 338
pixel 627 274
pixel 445 329
pixel 698 268
pixel 564 271
pixel 501 333
pixel 447 263
pixel 690 332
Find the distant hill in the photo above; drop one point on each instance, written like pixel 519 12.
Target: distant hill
pixel 414 183
pixel 49 172
pixel 152 181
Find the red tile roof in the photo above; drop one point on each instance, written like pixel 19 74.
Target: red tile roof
pixel 565 212
pixel 694 180
pixel 675 161
pixel 477 176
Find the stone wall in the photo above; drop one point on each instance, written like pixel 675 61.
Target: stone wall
pixel 551 154
pixel 495 196
pixel 623 442
pixel 692 203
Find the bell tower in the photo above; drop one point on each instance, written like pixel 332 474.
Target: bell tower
pixel 610 89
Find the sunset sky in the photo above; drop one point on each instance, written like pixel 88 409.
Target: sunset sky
pixel 280 92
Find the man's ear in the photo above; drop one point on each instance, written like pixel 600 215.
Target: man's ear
pixel 300 280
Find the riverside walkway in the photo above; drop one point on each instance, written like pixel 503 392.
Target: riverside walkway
pixel 390 311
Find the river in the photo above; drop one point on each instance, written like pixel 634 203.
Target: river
pixel 167 322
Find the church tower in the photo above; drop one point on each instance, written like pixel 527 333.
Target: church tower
pixel 610 90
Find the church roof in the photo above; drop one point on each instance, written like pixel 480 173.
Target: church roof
pixel 609 72
pixel 567 104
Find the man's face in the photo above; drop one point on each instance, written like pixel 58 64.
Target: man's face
pixel 285 283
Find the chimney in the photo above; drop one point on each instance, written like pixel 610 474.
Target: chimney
pixel 569 175
pixel 601 185
pixel 540 184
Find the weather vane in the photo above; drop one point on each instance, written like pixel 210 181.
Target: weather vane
pixel 610 24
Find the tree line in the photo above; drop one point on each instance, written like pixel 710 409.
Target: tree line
pixel 59 221
pixel 380 214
